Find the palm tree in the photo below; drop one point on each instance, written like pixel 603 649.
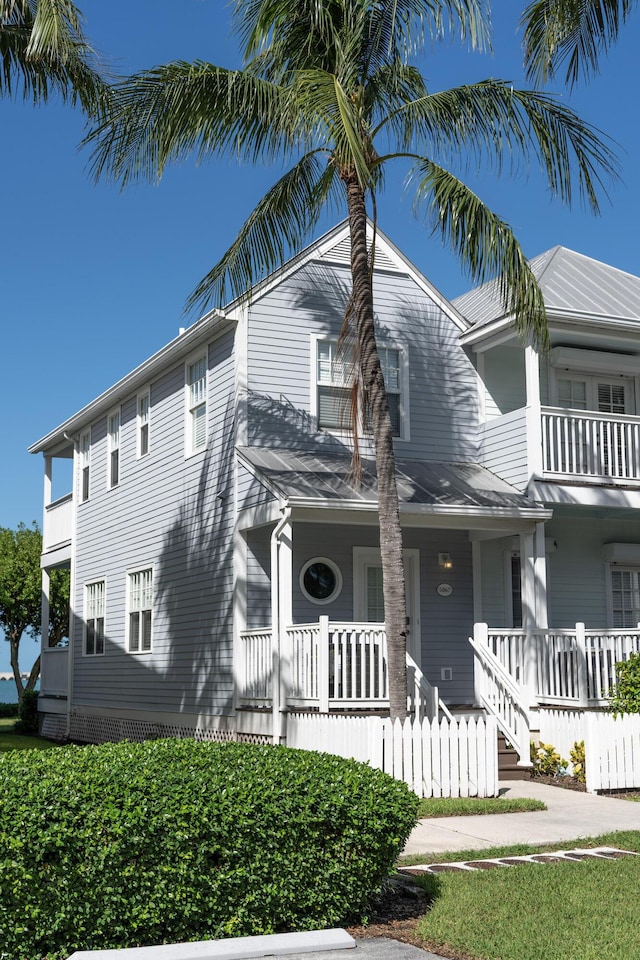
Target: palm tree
pixel 328 87
pixel 43 51
pixel 573 31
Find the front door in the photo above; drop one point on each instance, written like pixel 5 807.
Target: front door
pixel 368 601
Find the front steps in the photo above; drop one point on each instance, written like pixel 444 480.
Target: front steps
pixel 508 768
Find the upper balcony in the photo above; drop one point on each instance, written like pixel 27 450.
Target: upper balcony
pixel 590 446
pixel 57 526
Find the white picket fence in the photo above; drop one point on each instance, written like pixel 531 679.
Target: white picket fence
pixel 446 758
pixel 612 751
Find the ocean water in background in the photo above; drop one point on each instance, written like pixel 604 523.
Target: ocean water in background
pixel 8 692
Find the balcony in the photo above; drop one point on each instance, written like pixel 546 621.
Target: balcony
pixel 57 524
pixel 54 672
pixel 590 445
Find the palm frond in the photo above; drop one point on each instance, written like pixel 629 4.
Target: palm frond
pixel 485 244
pixel 277 229
pixel 188 109
pixel 572 32
pixel 493 123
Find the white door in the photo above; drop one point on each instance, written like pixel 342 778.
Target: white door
pixel 368 601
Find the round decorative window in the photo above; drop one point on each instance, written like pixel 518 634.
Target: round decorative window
pixel 320 580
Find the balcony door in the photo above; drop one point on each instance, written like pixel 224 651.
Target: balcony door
pixel 368 601
pixel 596 446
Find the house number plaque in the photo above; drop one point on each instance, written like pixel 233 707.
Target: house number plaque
pixel 445 589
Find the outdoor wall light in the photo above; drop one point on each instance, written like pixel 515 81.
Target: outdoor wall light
pixel 445 561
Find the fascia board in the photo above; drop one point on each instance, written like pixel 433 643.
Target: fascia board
pixel 208 327
pixel 424 509
pixel 592 324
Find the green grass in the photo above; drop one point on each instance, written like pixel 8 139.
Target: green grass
pixel 473 806
pixel 573 911
pixel 17 741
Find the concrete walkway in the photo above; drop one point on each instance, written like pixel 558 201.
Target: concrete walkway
pixel 569 816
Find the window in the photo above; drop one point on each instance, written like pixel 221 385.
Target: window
pixel 197 405
pixel 320 580
pixel 514 574
pixel 625 596
pixel 602 394
pixel 94 618
pixel 143 423
pixel 113 447
pixel 85 465
pixel 335 372
pixel 140 608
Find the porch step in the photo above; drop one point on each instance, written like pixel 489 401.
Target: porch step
pixel 508 768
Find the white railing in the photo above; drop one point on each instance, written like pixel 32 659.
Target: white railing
pixel 575 666
pixel 435 758
pixel 501 695
pixel 331 665
pixel 589 444
pixel 57 522
pixel 54 672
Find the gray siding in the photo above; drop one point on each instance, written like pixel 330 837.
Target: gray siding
pixel 175 514
pixel 504 380
pixel 281 370
pixel 503 445
pixel 251 493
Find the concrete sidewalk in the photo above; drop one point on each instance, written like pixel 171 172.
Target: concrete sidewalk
pixel 569 816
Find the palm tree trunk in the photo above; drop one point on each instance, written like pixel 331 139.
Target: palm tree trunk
pixel 393 582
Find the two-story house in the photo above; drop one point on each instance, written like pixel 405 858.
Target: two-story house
pixel 225 566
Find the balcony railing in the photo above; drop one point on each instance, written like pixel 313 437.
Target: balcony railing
pixel 57 523
pixel 590 445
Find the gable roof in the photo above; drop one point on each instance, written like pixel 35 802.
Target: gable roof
pixel 572 285
pixel 307 479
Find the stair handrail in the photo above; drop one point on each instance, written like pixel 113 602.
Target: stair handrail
pixel 518 738
pixel 429 693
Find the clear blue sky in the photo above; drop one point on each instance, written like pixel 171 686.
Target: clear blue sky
pixel 93 281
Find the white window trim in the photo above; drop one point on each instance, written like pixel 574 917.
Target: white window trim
pixel 140 396
pixel 87 584
pixel 116 411
pixel 188 434
pixel 403 403
pixel 85 434
pixel 139 568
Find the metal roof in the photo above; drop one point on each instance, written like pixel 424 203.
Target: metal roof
pixel 301 476
pixel 571 283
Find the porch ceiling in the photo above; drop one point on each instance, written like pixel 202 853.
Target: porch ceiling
pixel 449 488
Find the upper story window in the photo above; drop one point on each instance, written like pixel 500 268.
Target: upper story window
pixel 144 406
pixel 196 400
pixel 334 379
pixel 94 618
pixel 113 448
pixel 140 610
pixel 85 465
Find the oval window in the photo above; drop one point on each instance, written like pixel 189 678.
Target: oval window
pixel 320 580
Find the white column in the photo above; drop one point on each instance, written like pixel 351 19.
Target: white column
pixel 285 604
pixel 528 586
pixel 44 628
pixel 542 615
pixel 46 500
pixel 534 425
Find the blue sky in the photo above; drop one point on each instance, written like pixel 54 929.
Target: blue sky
pixel 93 281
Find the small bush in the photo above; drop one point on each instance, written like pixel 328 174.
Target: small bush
pixel 28 713
pixel 8 710
pixel 546 760
pixel 576 756
pixel 624 697
pixel 130 844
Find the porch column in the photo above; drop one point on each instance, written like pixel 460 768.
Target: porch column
pixel 542 615
pixel 44 627
pixel 528 586
pixel 534 423
pixel 284 619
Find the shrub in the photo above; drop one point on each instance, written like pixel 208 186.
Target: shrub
pixel 577 758
pixel 546 760
pixel 130 844
pixel 28 713
pixel 8 710
pixel 624 697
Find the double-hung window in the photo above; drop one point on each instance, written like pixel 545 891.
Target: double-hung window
pixel 144 403
pixel 94 618
pixel 85 465
pixel 335 375
pixel 113 463
pixel 196 399
pixel 625 596
pixel 140 610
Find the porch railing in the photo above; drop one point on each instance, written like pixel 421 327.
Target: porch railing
pixel 331 665
pixel 590 444
pixel 54 675
pixel 572 666
pixel 497 688
pixel 57 522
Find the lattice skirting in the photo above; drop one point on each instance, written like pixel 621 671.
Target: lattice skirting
pixel 95 729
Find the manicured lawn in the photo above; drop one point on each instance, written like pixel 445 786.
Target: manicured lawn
pixel 472 806
pixel 573 911
pixel 16 741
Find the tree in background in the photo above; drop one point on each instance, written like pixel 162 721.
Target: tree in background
pixel 329 87
pixel 21 597
pixel 575 32
pixel 43 51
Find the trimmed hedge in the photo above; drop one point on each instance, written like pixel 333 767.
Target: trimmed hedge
pixel 138 843
pixel 8 710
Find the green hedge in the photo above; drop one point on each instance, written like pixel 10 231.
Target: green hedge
pixel 8 710
pixel 128 844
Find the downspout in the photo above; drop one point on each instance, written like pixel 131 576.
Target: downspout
pixel 275 622
pixel 72 586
